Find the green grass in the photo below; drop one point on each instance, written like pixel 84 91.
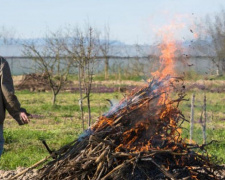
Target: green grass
pixel 193 75
pixel 115 76
pixel 101 77
pixel 215 77
pixel 61 124
pixel 216 149
pixel 58 125
pixel 215 121
pixel 23 146
pixel 189 75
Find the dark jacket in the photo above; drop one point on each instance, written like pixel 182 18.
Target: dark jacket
pixel 8 100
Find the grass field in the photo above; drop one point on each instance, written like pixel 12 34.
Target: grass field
pixel 60 124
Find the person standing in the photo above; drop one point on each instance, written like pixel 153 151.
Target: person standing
pixel 8 100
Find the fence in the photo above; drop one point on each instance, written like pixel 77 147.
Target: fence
pixel 126 65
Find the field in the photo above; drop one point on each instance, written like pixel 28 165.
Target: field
pixel 61 124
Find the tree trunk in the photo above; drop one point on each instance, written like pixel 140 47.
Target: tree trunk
pixel 89 109
pixel 119 74
pixel 106 68
pixel 53 98
pixel 81 96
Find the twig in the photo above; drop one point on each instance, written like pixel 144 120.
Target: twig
pixel 148 178
pixel 160 168
pixel 116 168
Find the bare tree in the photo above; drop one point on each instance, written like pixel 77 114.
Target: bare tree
pixel 83 48
pixel 140 62
pixel 215 29
pixel 7 36
pixel 105 48
pixel 92 50
pixel 51 61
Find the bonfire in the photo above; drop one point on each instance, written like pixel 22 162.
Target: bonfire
pixel 139 138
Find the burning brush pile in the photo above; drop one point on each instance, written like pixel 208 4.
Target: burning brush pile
pixel 140 138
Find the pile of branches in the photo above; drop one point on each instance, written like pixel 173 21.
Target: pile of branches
pixel 34 82
pixel 137 139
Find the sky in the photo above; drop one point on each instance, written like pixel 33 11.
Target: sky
pixel 130 21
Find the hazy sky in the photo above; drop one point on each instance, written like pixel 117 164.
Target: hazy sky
pixel 130 21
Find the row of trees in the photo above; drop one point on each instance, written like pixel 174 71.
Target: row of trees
pixel 72 50
pixel 210 32
pixel 8 36
pixel 216 31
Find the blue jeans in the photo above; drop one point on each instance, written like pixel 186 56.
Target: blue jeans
pixel 1 139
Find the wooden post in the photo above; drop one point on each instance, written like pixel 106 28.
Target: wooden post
pixel 192 117
pixel 204 120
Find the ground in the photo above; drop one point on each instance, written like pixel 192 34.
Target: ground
pixel 61 123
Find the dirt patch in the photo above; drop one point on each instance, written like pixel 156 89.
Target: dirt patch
pixel 4 175
pixel 9 174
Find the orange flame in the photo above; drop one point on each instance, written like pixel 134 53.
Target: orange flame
pixel 150 112
pixel 168 48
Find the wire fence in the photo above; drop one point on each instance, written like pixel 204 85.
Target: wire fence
pixel 127 65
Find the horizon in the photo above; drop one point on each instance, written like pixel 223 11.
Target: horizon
pixel 129 22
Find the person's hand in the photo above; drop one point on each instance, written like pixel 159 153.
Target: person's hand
pixel 24 118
